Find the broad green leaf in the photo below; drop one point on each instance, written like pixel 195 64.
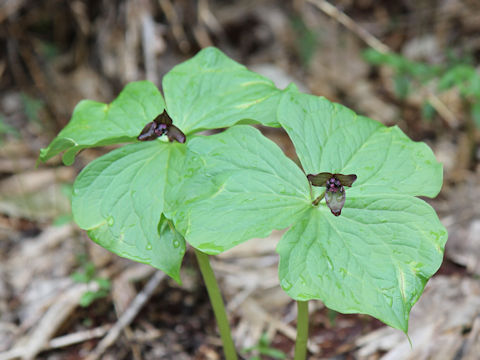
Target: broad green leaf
pixel 238 185
pixel 329 137
pixel 119 199
pixel 98 124
pixel 376 257
pixel 212 91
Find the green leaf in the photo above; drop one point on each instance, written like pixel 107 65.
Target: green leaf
pixel 376 257
pixel 212 91
pixel 274 353
pixel 119 198
pixel 98 124
pixel 103 283
pixel 329 137
pixel 80 277
pixel 89 297
pixel 238 185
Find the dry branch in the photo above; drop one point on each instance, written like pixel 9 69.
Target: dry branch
pixel 128 316
pixel 379 46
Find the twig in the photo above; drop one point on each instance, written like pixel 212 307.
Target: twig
pixel 39 337
pixel 351 25
pixel 206 16
pixel 78 337
pixel 200 32
pixel 442 109
pixel 132 40
pixel 177 28
pixel 379 46
pixel 61 341
pixel 149 49
pixel 128 316
pixel 252 307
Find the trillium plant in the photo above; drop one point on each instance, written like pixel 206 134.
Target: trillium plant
pixel 359 238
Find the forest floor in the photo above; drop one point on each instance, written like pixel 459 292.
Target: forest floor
pixel 59 52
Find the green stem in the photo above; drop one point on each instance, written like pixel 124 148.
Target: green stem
pixel 318 199
pixel 302 331
pixel 311 189
pixel 217 304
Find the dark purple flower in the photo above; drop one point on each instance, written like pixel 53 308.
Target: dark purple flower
pixel 161 125
pixel 335 191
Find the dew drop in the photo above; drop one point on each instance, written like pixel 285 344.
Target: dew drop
pixel 149 246
pixel 76 191
pixel 110 221
pixel 176 244
pixel 286 285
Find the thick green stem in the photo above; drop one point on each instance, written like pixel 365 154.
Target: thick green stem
pixel 217 304
pixel 302 331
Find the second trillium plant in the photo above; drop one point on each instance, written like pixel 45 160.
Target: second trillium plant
pixel 359 238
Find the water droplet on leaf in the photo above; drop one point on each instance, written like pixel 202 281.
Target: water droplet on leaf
pixel 110 221
pixel 149 246
pixel 286 285
pixel 176 244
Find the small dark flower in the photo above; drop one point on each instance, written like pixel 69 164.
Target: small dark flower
pixel 335 191
pixel 161 125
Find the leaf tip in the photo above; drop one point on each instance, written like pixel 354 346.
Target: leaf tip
pixel 175 275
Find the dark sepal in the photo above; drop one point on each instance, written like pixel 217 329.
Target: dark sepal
pixel 346 180
pixel 163 118
pixel 175 133
pixel 319 179
pixel 148 132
